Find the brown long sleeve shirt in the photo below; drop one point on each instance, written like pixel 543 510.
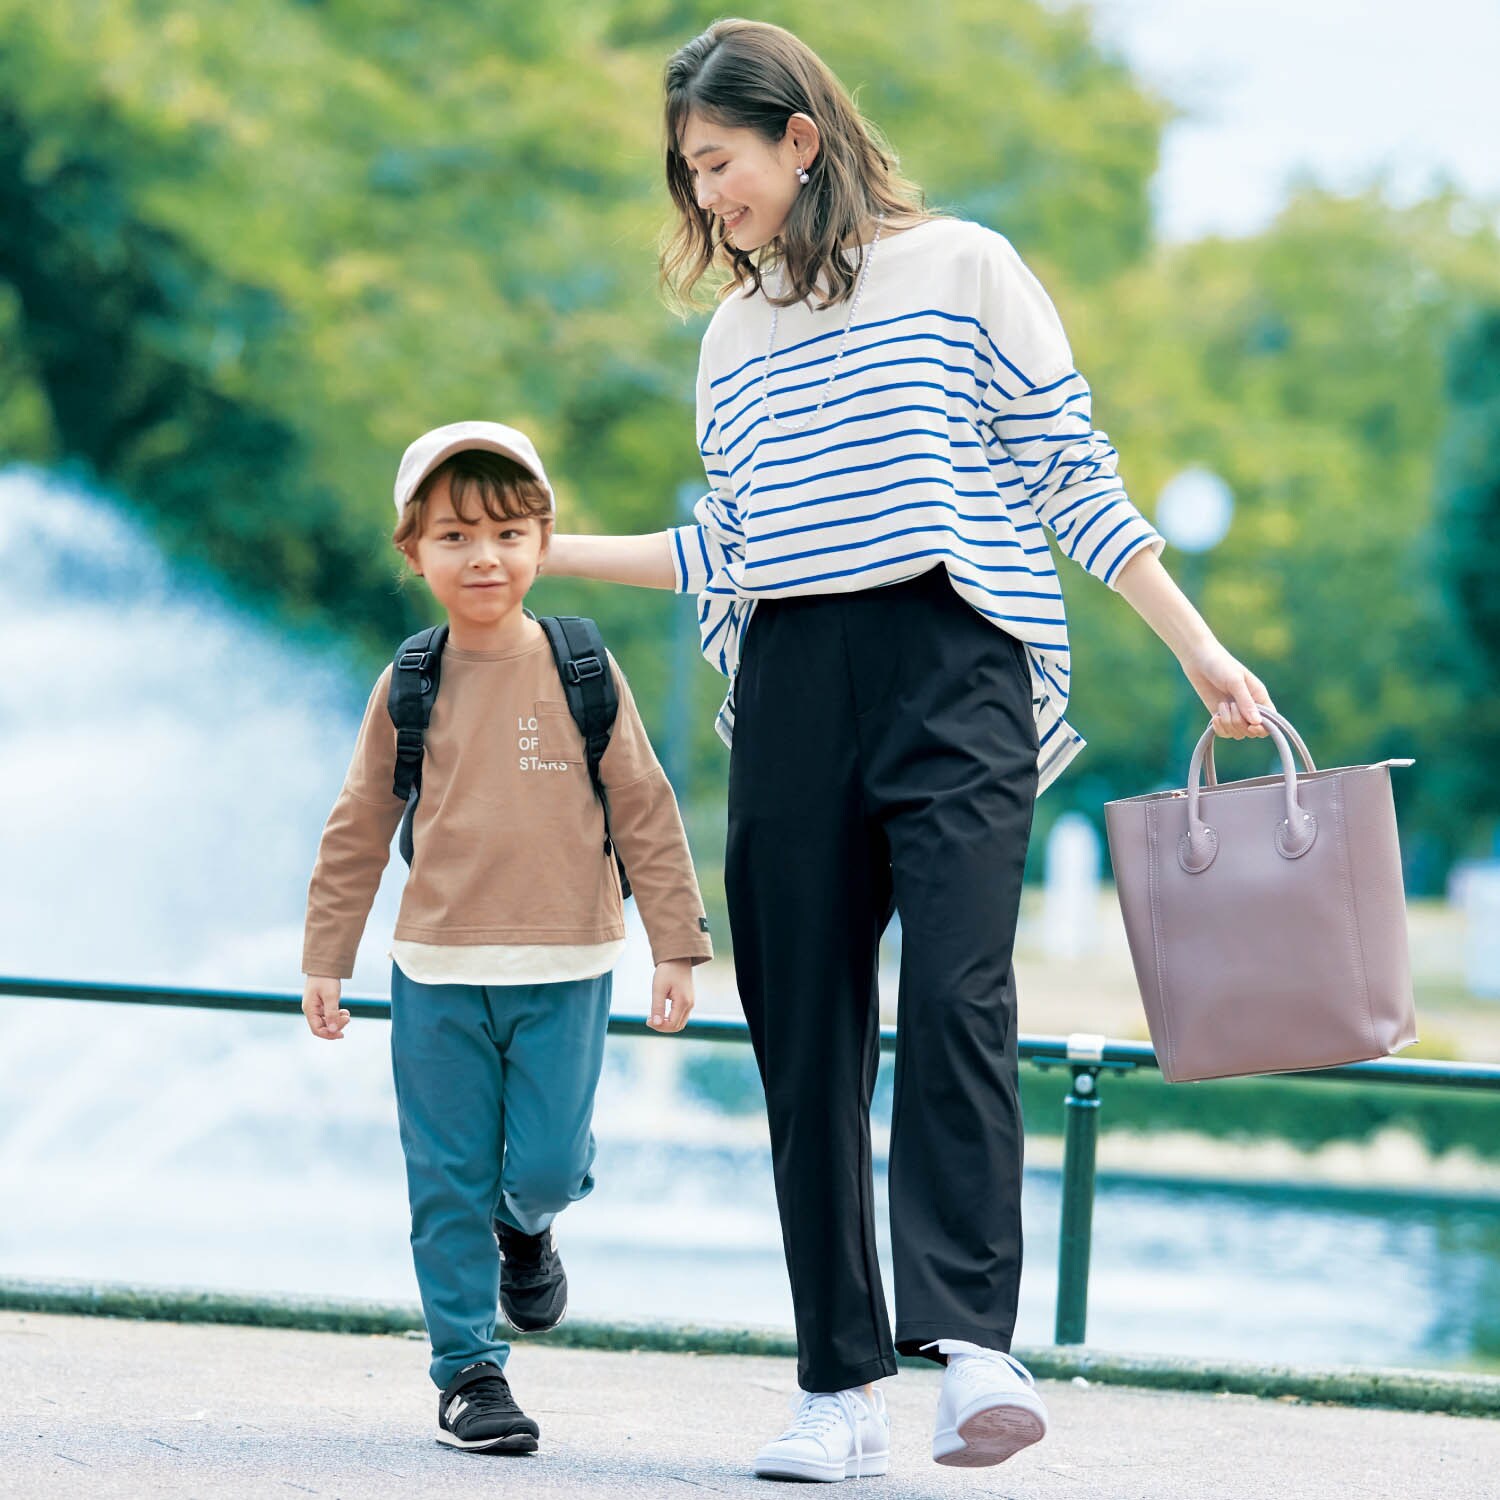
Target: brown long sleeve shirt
pixel 508 834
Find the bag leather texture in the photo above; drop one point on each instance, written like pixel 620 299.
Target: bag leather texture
pixel 1266 918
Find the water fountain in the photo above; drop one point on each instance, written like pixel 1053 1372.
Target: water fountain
pixel 168 761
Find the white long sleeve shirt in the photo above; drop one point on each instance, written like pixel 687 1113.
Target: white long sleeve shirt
pixel 955 431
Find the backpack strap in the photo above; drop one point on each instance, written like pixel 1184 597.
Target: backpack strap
pixel 415 672
pixel 589 686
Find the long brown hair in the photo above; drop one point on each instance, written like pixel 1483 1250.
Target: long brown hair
pixel 750 74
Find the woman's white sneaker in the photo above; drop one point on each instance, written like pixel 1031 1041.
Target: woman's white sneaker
pixel 834 1435
pixel 988 1409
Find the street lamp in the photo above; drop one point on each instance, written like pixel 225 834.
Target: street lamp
pixel 1193 513
pixel 1194 510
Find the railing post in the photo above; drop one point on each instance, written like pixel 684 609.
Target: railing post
pixel 1080 1148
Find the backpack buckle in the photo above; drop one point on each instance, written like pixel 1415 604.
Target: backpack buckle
pixel 582 669
pixel 408 744
pixel 413 661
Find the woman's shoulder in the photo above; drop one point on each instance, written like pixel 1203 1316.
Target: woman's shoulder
pixel 730 325
pixel 969 242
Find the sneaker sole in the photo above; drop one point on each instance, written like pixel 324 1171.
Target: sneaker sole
pixel 989 1436
pixel 869 1467
pixel 543 1328
pixel 511 1442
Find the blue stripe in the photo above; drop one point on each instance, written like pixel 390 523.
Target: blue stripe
pixel 925 312
pixel 885 489
pixel 724 619
pixel 885 437
pixel 756 491
pixel 868 567
pixel 1037 416
pixel 884 466
pixel 1057 516
pixel 681 562
pixel 872 416
pixel 876 390
pixel 791 557
pixel 1029 524
pixel 725 513
pixel 1093 556
pixel 782 370
pixel 1010 619
pixel 878 515
pixel 1084 529
pixel 1126 555
pixel 1082 435
pixel 779 392
pixel 1051 681
pixel 1045 390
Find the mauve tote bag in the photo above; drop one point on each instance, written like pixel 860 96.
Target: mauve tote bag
pixel 1266 918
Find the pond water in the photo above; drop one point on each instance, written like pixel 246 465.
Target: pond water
pixel 168 766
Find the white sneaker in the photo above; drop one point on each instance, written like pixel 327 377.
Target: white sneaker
pixel 988 1409
pixel 834 1435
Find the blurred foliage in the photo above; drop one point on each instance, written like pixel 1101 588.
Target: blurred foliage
pixel 1307 366
pixel 249 250
pixel 1308 1114
pixel 1465 549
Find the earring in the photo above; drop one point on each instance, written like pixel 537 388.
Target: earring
pixel 802 176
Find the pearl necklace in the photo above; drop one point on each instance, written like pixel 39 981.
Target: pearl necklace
pixel 797 424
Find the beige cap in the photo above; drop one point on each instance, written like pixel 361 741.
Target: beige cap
pixel 441 443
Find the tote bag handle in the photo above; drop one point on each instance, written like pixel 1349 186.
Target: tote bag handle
pixel 1294 835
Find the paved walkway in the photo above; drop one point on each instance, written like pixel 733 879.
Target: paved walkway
pixel 98 1408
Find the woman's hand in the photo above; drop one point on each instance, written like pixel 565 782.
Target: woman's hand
pixel 1230 691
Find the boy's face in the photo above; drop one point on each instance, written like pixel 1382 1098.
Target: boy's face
pixel 481 570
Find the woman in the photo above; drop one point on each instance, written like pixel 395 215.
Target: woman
pixel 888 415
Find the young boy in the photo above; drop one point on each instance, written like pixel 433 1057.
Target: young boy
pixel 510 920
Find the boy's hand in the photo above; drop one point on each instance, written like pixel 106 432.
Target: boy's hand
pixel 672 985
pixel 320 1004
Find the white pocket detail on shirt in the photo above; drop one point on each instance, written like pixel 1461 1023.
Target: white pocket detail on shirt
pixel 549 740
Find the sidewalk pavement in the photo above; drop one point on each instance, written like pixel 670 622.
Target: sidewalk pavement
pixel 101 1408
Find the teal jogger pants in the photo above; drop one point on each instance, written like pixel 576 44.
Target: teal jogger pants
pixel 495 1093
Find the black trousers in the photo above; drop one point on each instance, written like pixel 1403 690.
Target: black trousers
pixel 885 758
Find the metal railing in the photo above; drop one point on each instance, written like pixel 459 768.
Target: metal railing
pixel 1086 1057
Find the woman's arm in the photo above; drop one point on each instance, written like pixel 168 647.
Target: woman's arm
pixel 1228 689
pixel 645 561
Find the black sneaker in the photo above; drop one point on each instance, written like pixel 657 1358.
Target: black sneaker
pixel 533 1284
pixel 478 1414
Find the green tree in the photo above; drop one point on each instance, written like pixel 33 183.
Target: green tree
pixel 1305 365
pixel 1465 548
pixel 252 251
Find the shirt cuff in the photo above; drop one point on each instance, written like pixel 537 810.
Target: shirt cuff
pixel 1137 535
pixel 690 569
pixel 315 967
pixel 695 946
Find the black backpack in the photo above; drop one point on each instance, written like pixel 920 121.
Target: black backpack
pixel 578 650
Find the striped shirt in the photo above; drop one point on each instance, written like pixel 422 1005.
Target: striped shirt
pixel 956 431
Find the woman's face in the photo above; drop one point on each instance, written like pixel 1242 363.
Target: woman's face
pixel 745 181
